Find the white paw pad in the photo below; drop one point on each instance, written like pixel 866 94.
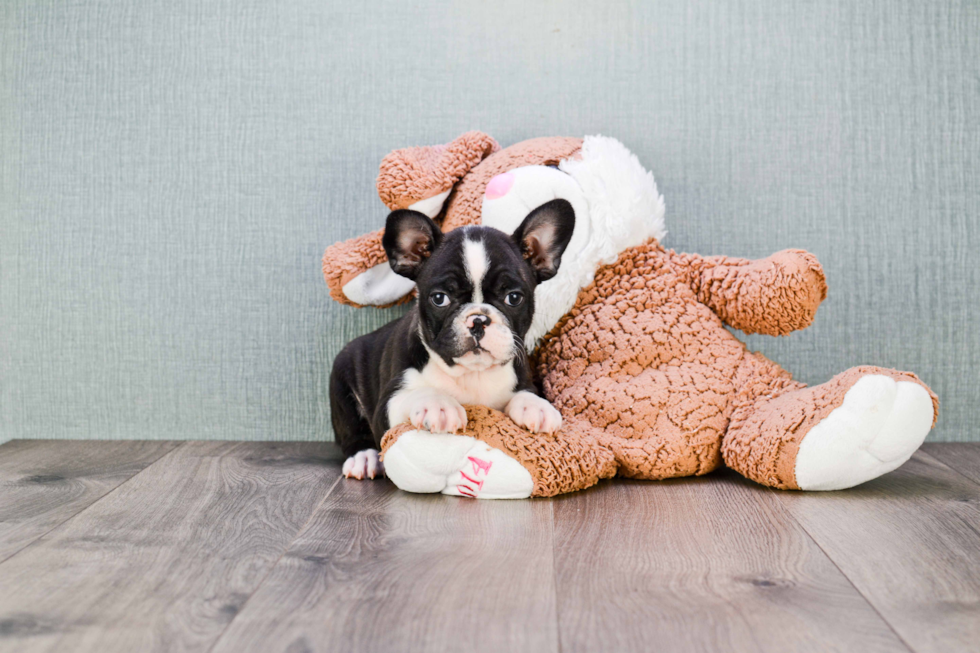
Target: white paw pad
pixel 455 464
pixel 364 464
pixel 876 429
pixel 533 413
pixel 438 413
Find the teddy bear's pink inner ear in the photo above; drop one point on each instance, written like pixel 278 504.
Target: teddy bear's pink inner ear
pixel 421 178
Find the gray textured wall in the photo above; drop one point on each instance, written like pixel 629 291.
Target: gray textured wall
pixel 171 172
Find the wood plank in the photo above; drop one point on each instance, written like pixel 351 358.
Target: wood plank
pixel 964 457
pixel 382 570
pixel 700 564
pixel 166 560
pixel 46 482
pixel 910 542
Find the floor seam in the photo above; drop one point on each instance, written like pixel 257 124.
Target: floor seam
pixel 948 466
pixel 554 575
pixel 850 582
pixel 37 539
pixel 275 564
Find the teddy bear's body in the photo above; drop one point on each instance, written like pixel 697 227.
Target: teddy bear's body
pixel 644 361
pixel 631 344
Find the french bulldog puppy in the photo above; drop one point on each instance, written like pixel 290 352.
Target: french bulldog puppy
pixel 463 340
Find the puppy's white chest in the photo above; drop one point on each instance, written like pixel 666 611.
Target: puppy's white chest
pixel 430 389
pixel 492 388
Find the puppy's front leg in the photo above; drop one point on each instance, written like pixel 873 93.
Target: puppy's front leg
pixel 533 413
pixel 427 408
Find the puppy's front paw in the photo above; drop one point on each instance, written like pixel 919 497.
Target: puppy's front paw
pixel 364 464
pixel 438 413
pixel 534 413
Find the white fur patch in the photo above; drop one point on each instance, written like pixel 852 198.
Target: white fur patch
pixel 476 262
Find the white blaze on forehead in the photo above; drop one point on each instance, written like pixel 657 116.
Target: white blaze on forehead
pixel 476 262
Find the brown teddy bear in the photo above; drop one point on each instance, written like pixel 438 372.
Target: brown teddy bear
pixel 628 340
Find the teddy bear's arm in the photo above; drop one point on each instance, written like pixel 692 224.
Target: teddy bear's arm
pixel 774 296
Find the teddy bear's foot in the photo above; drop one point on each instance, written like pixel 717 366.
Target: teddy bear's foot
pixel 459 465
pixel 861 424
pixel 494 458
pixel 877 427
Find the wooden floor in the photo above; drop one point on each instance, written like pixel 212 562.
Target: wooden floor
pixel 236 547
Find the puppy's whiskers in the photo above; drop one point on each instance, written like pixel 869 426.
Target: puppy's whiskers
pixel 520 352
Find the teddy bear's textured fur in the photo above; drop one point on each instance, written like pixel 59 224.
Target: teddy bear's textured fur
pixel 649 382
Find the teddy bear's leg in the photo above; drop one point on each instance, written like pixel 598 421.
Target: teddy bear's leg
pixel 861 424
pixel 495 459
pixel 461 465
pixel 659 458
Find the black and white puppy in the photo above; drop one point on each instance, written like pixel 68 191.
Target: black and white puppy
pixel 463 340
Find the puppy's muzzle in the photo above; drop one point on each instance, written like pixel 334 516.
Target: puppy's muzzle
pixel 477 325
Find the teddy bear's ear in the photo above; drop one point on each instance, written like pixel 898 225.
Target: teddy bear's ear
pixel 358 274
pixel 421 178
pixel 417 178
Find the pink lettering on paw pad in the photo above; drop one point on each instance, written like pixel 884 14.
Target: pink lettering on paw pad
pixel 479 466
pixel 500 186
pixel 478 484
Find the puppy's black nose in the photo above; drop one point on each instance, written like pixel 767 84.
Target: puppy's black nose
pixel 477 324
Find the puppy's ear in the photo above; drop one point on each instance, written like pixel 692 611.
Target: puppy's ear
pixel 409 240
pixel 544 235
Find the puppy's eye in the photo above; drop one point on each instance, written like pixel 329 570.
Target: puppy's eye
pixel 514 299
pixel 439 299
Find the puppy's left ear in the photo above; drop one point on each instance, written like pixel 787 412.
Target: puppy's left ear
pixel 544 235
pixel 409 240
